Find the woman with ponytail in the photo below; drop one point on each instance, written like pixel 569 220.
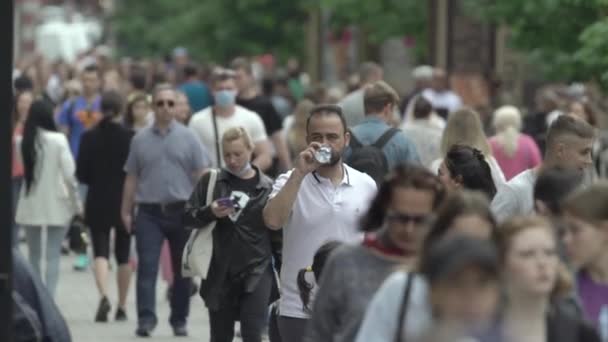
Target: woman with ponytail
pixel 316 269
pixel 466 167
pixel 514 151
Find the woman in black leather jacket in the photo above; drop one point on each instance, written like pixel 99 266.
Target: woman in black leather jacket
pixel 239 280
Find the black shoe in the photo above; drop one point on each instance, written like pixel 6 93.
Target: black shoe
pixel 180 331
pixel 103 310
pixel 143 331
pixel 121 315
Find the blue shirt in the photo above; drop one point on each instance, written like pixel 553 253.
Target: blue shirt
pixel 164 163
pixel 78 116
pixel 398 150
pixel 198 95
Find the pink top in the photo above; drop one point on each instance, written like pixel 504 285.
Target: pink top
pixel 526 157
pixel 17 165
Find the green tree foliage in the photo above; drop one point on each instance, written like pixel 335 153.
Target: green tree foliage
pixel 566 38
pixel 382 19
pixel 220 29
pixel 211 29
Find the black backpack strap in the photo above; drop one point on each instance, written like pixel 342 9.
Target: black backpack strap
pixel 403 308
pixel 354 142
pixel 385 137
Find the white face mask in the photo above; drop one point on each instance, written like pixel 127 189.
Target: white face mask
pixel 242 172
pixel 225 98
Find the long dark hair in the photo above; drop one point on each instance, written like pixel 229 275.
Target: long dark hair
pixel 402 176
pixel 39 116
pixel 318 264
pixel 16 104
pixel 468 165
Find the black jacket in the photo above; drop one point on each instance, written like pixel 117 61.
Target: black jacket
pixel 241 250
pixel 564 326
pixel 36 316
pixel 101 159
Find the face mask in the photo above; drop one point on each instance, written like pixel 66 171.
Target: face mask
pixel 225 98
pixel 242 172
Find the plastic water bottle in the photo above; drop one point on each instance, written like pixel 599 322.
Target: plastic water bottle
pixel 603 323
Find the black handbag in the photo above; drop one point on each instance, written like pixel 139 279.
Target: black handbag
pixel 77 235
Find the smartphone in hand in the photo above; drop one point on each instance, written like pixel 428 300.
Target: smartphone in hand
pixel 226 202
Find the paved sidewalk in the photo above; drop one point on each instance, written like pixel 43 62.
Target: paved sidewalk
pixel 77 298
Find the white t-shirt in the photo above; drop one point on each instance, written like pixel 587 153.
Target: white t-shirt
pixel 202 124
pixel 446 99
pixel 516 197
pixel 321 212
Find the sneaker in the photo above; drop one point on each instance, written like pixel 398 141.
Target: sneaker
pixel 103 310
pixel 121 315
pixel 180 331
pixel 82 263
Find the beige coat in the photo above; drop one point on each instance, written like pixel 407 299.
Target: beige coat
pixel 53 198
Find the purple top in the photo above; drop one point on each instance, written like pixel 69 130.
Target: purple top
pixel 593 296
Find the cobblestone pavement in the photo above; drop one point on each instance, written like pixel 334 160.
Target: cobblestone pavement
pixel 77 298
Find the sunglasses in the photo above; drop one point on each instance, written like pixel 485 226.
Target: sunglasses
pixel 168 103
pixel 405 218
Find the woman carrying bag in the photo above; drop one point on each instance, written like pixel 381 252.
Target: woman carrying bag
pixel 238 283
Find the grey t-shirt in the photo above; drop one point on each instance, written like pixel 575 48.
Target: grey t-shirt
pixel 164 164
pixel 350 278
pixel 516 197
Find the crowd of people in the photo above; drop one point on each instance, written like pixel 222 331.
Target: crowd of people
pixel 333 216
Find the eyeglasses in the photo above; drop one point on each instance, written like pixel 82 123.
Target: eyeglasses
pixel 162 103
pixel 406 218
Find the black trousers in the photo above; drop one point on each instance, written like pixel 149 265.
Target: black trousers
pixel 292 329
pixel 251 310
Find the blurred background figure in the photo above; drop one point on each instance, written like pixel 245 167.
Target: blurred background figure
pixel 444 100
pixel 464 128
pixel 183 112
pixel 586 239
pixel 515 152
pixel 425 132
pixel 352 104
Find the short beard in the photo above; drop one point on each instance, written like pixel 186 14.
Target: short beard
pixel 336 157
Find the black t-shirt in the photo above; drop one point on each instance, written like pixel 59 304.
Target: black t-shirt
pixel 245 185
pixel 263 106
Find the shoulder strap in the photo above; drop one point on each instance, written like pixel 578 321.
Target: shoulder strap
pixel 385 137
pixel 217 138
pixel 354 142
pixel 403 308
pixel 211 186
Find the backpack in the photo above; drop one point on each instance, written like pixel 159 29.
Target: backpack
pixel 371 159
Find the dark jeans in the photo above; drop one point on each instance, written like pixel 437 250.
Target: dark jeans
pixel 251 310
pixel 17 182
pixel 292 329
pixel 152 227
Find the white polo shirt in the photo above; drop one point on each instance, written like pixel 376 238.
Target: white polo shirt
pixel 321 212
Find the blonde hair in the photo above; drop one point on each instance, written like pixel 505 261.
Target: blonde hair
pixel 515 226
pixel 507 123
pixel 464 128
pixel 590 204
pixel 236 133
pixel 296 137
